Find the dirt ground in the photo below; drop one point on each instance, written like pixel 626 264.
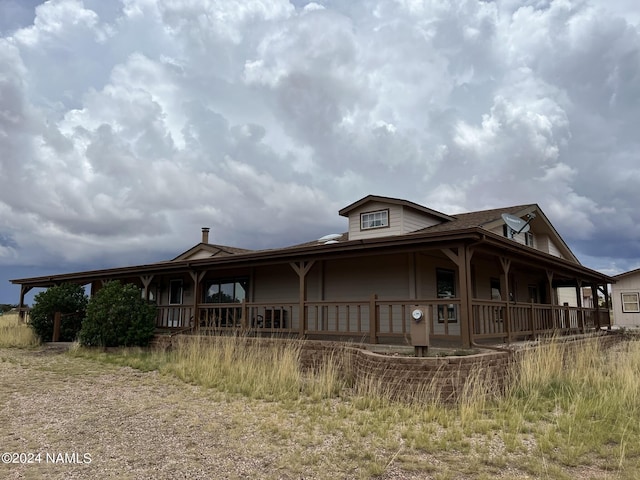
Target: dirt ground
pixel 72 418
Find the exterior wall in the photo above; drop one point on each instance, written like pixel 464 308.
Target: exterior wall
pixel 413 220
pixel 401 220
pixel 275 283
pixel 545 244
pixel 625 284
pixel 359 278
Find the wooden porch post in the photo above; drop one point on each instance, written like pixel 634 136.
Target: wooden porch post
pixel 196 277
pixel 595 305
pixel 552 298
pixel 579 303
pixel 302 268
pixel 373 319
pixel 146 281
pixel 21 307
pixel 57 321
pixel 462 259
pixel 506 266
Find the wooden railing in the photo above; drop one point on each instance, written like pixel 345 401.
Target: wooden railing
pixel 508 320
pixel 375 320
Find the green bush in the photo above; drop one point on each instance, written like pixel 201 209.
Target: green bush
pixel 118 316
pixel 70 300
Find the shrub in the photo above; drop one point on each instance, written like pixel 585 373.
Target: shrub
pixel 118 316
pixel 68 299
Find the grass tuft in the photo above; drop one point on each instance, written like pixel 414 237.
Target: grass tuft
pixel 16 334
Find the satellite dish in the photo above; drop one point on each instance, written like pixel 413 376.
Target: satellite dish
pixel 329 238
pixel 329 242
pixel 517 224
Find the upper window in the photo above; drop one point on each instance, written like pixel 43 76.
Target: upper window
pixel 528 239
pixel 377 219
pixel 630 302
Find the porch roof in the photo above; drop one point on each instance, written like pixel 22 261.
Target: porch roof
pixel 430 238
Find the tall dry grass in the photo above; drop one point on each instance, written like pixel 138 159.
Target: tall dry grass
pixel 565 406
pixel 266 370
pixel 14 333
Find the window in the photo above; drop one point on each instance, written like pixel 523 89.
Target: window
pixel 175 292
pixel 533 293
pixel 528 239
pixel 377 219
pixel 226 291
pixel 446 288
pixel 630 303
pixel 495 289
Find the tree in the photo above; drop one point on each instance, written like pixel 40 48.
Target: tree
pixel 70 300
pixel 118 316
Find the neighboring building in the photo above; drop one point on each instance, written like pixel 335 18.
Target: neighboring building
pixel 625 297
pixel 474 276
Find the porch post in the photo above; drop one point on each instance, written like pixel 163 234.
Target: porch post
pixel 196 277
pixel 302 268
pixel 552 298
pixel 146 281
pixel 373 319
pixel 595 305
pixel 21 307
pixel 506 265
pixel 579 303
pixel 462 259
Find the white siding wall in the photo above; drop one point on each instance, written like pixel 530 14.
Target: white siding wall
pixel 553 249
pixel 413 220
pixel 628 284
pixel 401 220
pixel 395 223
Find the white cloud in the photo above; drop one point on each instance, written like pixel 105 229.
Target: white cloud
pixel 128 125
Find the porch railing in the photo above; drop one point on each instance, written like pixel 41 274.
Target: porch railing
pixel 508 320
pixel 374 320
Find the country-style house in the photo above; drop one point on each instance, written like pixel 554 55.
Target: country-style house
pixel 475 277
pixel 625 298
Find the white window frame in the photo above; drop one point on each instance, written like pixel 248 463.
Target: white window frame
pixel 376 219
pixel 528 239
pixel 634 300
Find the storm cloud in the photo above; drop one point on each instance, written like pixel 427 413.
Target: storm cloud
pixel 125 126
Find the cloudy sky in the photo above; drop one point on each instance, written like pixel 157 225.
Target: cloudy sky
pixel 127 125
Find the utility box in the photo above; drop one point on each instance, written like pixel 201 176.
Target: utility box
pixel 420 321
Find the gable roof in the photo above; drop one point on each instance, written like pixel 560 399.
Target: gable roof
pixel 211 249
pixel 490 219
pixel 627 274
pixel 395 201
pixel 484 218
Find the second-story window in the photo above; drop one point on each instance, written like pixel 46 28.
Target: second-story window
pixel 377 219
pixel 528 239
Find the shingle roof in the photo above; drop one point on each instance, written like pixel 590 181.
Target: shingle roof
pixel 475 219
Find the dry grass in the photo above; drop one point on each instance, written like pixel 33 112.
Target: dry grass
pixel 14 333
pixel 235 420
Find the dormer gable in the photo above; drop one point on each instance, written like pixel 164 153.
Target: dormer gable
pixel 204 249
pixel 540 233
pixel 375 216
